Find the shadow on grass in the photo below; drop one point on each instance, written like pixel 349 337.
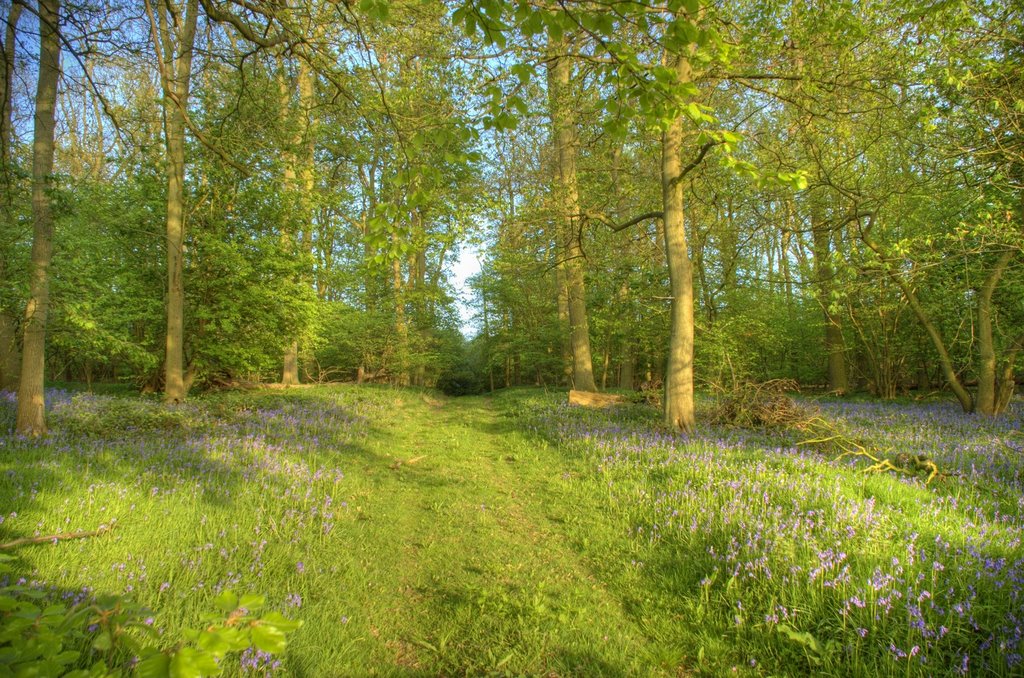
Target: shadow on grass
pixel 280 442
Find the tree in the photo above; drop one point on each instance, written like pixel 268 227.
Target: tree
pixel 565 139
pixel 173 32
pixel 31 419
pixel 10 358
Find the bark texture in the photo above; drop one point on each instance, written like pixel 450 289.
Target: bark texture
pixel 10 354
pixel 31 419
pixel 173 34
pixel 565 138
pixel 679 403
pixel 988 398
pixel 298 181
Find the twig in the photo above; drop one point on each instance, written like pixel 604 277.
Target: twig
pixel 25 541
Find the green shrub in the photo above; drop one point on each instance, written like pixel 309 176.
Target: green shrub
pixel 111 636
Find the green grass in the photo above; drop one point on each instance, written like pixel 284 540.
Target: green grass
pixel 428 536
pixel 454 564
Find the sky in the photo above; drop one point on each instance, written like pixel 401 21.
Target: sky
pixel 465 267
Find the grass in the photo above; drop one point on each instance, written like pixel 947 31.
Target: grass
pixel 419 536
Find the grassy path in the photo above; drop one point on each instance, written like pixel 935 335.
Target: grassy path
pixel 461 560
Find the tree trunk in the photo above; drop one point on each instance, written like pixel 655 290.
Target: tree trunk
pixel 679 404
pixel 290 373
pixel 6 122
pixel 400 374
pixel 606 361
pixel 1007 382
pixel 838 379
pixel 299 182
pixel 564 135
pixel 10 357
pixel 563 325
pixel 174 365
pixel 31 417
pixel 173 39
pixel 626 369
pixel 987 399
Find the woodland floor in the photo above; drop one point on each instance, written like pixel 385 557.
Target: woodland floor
pixel 415 535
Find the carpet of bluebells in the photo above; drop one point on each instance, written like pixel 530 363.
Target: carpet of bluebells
pixel 792 562
pixel 232 493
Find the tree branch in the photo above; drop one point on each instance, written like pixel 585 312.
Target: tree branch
pixel 623 226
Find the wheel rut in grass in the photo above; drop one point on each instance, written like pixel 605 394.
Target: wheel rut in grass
pixel 465 554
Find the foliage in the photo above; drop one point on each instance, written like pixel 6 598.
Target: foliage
pixel 80 636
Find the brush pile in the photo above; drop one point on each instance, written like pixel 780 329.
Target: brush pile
pixel 763 405
pixel 766 406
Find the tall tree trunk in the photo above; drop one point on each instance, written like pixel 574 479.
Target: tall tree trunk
pixel 487 336
pixel 31 417
pixel 418 285
pixel 679 403
pixel 10 356
pixel 627 345
pixel 299 181
pixel 563 324
pixel 564 135
pixel 290 360
pixel 821 237
pixel 6 126
pixel 987 400
pixel 173 38
pixel 174 365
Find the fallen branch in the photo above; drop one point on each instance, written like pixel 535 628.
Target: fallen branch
pixel 910 465
pixel 53 538
pixel 589 399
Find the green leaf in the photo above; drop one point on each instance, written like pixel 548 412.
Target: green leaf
pixel 555 32
pixel 214 643
pixel 103 642
pixel 189 662
pixel 156 665
pixel 226 601
pixel 252 602
pixel 268 638
pixel 281 622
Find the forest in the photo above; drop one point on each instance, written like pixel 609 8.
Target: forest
pixel 784 238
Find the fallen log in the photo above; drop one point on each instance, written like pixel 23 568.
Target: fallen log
pixel 589 399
